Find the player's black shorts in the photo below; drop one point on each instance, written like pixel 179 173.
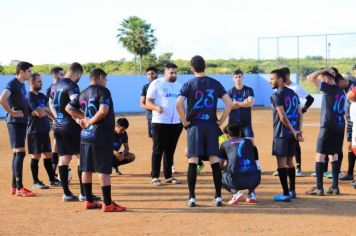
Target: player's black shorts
pixel 284 147
pixel 17 134
pixel 243 181
pixel 96 158
pixel 203 139
pixel 330 141
pixel 68 141
pixel 349 131
pixel 38 143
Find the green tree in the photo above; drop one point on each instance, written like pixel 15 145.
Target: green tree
pixel 137 36
pixel 1 70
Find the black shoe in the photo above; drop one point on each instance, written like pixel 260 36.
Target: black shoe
pixel 40 185
pixel 346 177
pixel 70 198
pixel 334 191
pixel 82 198
pixel 55 183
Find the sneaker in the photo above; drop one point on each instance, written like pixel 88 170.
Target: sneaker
pixel 313 174
pixel 113 207
pixel 55 183
pixel 200 168
pixel 346 177
pixel 82 198
pixel 174 171
pixel 70 198
pixel 275 173
pixel 191 202
pixel 299 173
pixel 315 191
pixel 24 193
pixel 12 191
pixel 251 197
pixel 118 173
pixel 292 194
pixel 156 182
pixel 172 181
pixel 333 191
pixel 353 183
pixel 40 185
pixel 282 198
pixel 218 202
pixel 237 197
pixel 92 205
pixel 328 175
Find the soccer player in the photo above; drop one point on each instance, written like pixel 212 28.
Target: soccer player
pixel 287 131
pixel 38 140
pixel 241 169
pixel 66 130
pixel 161 99
pixel 332 124
pixel 202 94
pixel 14 100
pixel 242 101
pixel 57 74
pixel 98 122
pixel 309 101
pixel 351 96
pixel 121 138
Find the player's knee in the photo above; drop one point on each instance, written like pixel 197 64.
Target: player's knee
pixel 130 157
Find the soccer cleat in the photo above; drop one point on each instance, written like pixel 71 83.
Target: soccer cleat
pixel 70 198
pixel 292 194
pixel 200 168
pixel 251 198
pixel 113 207
pixel 313 174
pixel 275 173
pixel 40 185
pixel 118 173
pixel 333 191
pixel 218 202
pixel 55 183
pixel 174 171
pixel 13 191
pixel 156 182
pixel 92 205
pixel 328 175
pixel 315 191
pixel 191 202
pixel 346 177
pixel 172 181
pixel 24 193
pixel 82 198
pixel 237 197
pixel 282 198
pixel 299 173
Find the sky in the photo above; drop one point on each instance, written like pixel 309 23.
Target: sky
pixel 55 32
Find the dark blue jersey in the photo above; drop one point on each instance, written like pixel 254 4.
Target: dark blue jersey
pixel 37 124
pixel 143 94
pixel 62 93
pixel 352 84
pixel 332 107
pixel 119 139
pixel 202 96
pixel 18 100
pixel 242 115
pixel 48 91
pixel 89 101
pixel 287 98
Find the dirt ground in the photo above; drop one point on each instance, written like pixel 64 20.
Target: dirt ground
pixel 162 211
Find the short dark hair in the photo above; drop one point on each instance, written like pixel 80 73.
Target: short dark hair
pixel 233 130
pixel 76 67
pixel 123 122
pixel 152 68
pixel 171 66
pixel 285 70
pixel 280 74
pixel 55 70
pixel 34 76
pixel 96 73
pixel 198 63
pixel 23 65
pixel 238 72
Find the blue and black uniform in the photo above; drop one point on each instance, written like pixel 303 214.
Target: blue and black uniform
pixel 96 140
pixel 38 140
pixel 148 112
pixel 66 130
pixel 241 170
pixel 242 115
pixel 284 143
pixel 352 84
pixel 119 140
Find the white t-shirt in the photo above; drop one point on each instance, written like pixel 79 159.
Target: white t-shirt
pixel 298 90
pixel 165 95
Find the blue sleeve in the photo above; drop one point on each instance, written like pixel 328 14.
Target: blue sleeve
pixel 11 87
pixel 250 93
pixel 75 104
pixel 326 88
pixel 73 89
pixel 105 98
pixel 125 138
pixel 33 102
pixel 220 90
pixel 184 91
pixel 276 100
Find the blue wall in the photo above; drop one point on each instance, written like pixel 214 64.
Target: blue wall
pixel 126 89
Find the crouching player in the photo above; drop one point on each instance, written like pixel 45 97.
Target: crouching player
pixel 97 122
pixel 241 170
pixel 121 138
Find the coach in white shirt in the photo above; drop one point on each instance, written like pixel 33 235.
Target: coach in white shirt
pixel 166 126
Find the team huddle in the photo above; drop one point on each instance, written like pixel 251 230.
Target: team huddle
pixel 83 124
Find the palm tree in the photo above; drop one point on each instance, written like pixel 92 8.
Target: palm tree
pixel 137 36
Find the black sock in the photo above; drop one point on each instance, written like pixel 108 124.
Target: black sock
pixel 291 174
pixel 107 194
pixel 34 170
pixel 283 173
pixel 256 153
pixel 217 178
pixel 54 161
pixel 298 157
pixel 87 187
pixel 340 156
pixel 192 179
pixel 13 184
pixel 326 164
pixel 335 168
pixel 351 157
pixel 319 170
pixel 48 166
pixel 80 181
pixel 63 173
pixel 19 168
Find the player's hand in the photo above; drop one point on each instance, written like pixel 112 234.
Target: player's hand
pixel 349 146
pixel 16 113
pixel 159 109
pixel 330 71
pixel 235 103
pixel 186 124
pixel 84 123
pixel 119 156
